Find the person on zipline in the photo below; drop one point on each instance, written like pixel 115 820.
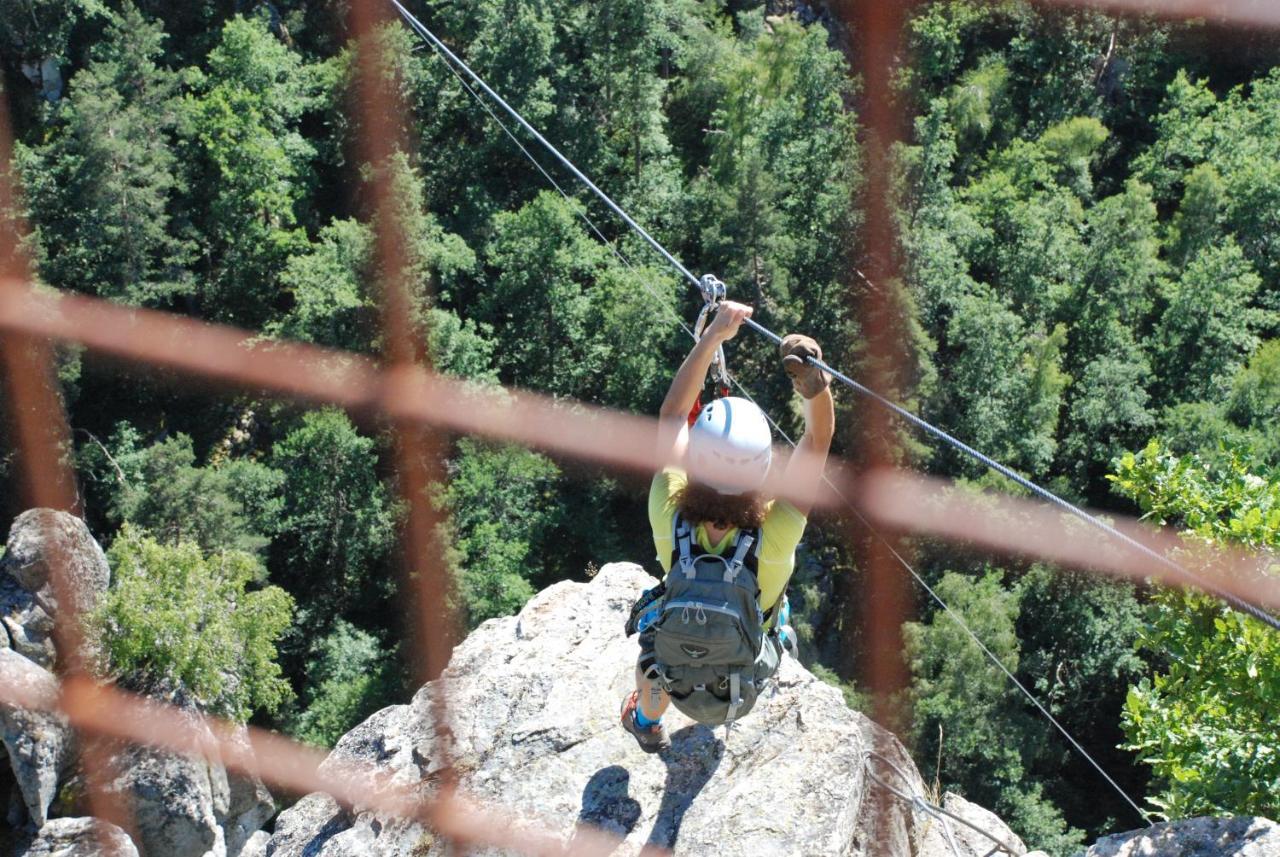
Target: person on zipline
pixel 733 549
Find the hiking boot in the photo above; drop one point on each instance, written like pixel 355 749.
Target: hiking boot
pixel 650 738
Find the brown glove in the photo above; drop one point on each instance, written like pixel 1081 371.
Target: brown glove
pixel 808 380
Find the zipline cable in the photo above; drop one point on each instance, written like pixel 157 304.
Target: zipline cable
pixel 659 302
pixel 1045 494
pixel 959 620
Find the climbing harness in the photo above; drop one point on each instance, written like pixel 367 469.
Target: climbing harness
pixel 713 292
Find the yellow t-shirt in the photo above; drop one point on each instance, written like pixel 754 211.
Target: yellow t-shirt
pixel 781 532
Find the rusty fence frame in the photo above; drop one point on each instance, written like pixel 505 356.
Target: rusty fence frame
pixel 423 407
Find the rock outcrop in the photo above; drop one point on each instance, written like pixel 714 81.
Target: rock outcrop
pixel 182 807
pixel 80 837
pixel 532 726
pixel 1195 837
pixel 39 746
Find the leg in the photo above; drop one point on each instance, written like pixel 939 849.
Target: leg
pixel 653 700
pixel 643 707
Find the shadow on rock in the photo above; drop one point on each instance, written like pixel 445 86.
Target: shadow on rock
pixel 694 756
pixel 607 804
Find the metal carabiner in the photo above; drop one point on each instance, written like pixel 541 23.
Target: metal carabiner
pixel 713 291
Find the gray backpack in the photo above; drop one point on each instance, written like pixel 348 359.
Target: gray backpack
pixel 711 652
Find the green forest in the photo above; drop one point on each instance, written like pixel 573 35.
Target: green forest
pixel 1088 212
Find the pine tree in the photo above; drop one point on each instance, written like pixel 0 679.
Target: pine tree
pixel 101 191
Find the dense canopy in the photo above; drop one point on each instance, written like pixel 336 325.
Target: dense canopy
pixel 1088 214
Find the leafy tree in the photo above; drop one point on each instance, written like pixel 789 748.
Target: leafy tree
pixel 254 164
pixel 182 621
pixel 567 313
pixel 1204 721
pixel 337 526
pixel 349 676
pixel 504 512
pixel 160 489
pixel 1077 636
pixel 34 31
pixel 1208 327
pixel 1255 390
pixel 966 713
pixel 334 305
pixel 101 190
pixel 1005 383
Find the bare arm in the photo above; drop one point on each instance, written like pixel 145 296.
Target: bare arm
pixel 673 426
pixel 810 458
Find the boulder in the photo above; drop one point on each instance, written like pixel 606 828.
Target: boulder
pixel 247 807
pixel 38 536
pixel 39 746
pixel 37 539
pixel 257 845
pixel 173 799
pixel 533 727
pixel 968 841
pixel 79 837
pixel 1195 837
pixel 24 624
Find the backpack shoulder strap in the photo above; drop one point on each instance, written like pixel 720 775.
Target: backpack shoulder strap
pixel 682 535
pixel 743 545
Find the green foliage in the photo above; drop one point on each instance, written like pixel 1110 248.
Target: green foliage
pixel 336 526
pixel 503 508
pixel 1208 328
pixel 967 713
pixel 242 125
pixel 1204 721
pixel 1255 390
pixel 185 621
pixel 160 489
pixel 349 676
pixel 102 187
pixel 573 322
pixel 34 31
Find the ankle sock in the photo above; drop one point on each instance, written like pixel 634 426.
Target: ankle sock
pixel 644 722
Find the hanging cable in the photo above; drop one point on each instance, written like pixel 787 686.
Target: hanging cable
pixel 919 803
pixel 1186 575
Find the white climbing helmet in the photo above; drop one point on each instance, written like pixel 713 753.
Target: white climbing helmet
pixel 730 446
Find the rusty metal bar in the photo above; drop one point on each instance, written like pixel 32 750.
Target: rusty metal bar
pixel 296 768
pixel 419 453
pixel 39 424
pixel 877 28
pixel 1257 14
pixel 906 502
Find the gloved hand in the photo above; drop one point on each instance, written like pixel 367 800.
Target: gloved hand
pixel 807 380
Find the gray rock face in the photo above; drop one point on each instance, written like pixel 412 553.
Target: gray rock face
pixel 533 720
pixel 1195 837
pixel 936 843
pixel 24 624
pixel 37 539
pixel 248 806
pixel 173 800
pixel 38 536
pixel 79 837
pixel 38 746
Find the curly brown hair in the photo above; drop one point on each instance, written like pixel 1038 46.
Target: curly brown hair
pixel 699 503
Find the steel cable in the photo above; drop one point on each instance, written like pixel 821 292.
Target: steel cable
pixel 783 434
pixel 1180 571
